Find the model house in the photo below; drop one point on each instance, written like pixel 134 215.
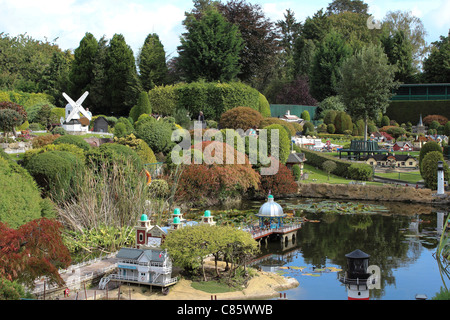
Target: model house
pixel 391 160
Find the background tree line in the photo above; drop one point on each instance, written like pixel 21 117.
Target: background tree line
pixel 226 41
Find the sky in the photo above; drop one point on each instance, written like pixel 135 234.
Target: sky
pixel 65 22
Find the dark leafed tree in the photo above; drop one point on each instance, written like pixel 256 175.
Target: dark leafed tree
pixel 210 48
pixel 316 27
pixel 329 56
pixel 81 74
pixel 152 63
pixel 260 40
pixel 98 93
pixel 290 30
pixel 437 66
pixel 398 48
pixel 122 82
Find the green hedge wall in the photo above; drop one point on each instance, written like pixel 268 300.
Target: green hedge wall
pixel 210 97
pixel 404 111
pixel 358 171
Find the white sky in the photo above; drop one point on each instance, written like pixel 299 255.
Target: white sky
pixel 69 20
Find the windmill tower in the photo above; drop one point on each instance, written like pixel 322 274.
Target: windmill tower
pixel 72 123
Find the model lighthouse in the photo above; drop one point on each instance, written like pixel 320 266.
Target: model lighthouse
pixel 357 276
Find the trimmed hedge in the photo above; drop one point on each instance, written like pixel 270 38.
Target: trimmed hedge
pixel 210 97
pixel 345 169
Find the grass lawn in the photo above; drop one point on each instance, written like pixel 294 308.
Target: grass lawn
pixel 410 177
pixel 212 287
pixel 318 176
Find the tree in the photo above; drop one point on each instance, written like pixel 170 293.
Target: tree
pixel 122 81
pixel 9 119
pixel 428 147
pixel 33 250
pixel 436 66
pixel 210 49
pixel 413 29
pixel 290 30
pixel 339 6
pixel 428 168
pixel 367 83
pixel 398 48
pixel 330 55
pixel 143 107
pixel 257 57
pixel 329 166
pixel 303 56
pixel 152 63
pixel 98 88
pixel 81 74
pixel 240 118
pixel 296 92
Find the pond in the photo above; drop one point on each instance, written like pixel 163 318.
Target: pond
pixel 400 239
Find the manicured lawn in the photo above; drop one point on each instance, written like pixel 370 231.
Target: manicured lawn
pixel 410 177
pixel 318 176
pixel 212 287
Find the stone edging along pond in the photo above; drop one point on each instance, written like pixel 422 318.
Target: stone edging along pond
pixel 372 193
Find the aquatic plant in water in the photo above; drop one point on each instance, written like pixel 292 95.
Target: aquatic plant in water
pixel 337 207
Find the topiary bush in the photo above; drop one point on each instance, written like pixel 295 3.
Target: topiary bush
pixel 71 139
pixel 428 147
pixel 240 118
pixel 157 134
pixel 429 167
pixel 284 145
pixel 140 146
pixel 55 172
pixel 360 171
pixel 20 198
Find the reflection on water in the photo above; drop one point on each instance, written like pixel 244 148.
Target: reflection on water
pixel 400 241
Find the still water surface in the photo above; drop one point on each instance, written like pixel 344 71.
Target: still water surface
pixel 400 240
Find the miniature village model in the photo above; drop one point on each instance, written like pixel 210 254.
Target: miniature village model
pixel 148 264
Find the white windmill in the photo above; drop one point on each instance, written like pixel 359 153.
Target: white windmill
pixel 73 109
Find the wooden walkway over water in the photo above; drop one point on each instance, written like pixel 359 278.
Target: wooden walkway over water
pixel 258 234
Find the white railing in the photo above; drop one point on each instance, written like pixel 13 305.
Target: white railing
pixel 132 278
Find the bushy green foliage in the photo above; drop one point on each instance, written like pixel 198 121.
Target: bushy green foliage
pixel 316 159
pixel 112 153
pixel 164 99
pixel 71 139
pixel 284 145
pixel 305 115
pixel 360 171
pixel 264 106
pixel 157 134
pixel 143 106
pixel 77 151
pixel 308 128
pixel 20 199
pixel 55 172
pixel 140 146
pixel 159 188
pixel 428 147
pixel 428 168
pixel 241 118
pixel 288 126
pixel 343 122
pixel 296 171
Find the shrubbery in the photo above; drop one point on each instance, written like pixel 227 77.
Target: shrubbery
pixel 112 153
pixel 140 146
pixel 211 98
pixel 429 166
pixel 71 139
pixel 20 199
pixel 241 118
pixel 359 172
pixel 157 134
pixel 55 172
